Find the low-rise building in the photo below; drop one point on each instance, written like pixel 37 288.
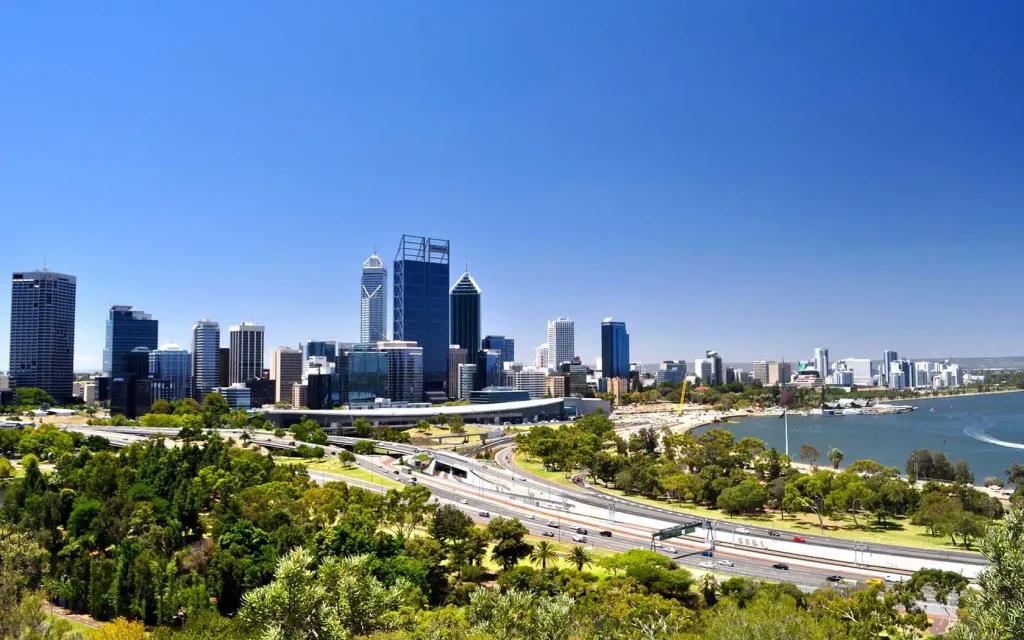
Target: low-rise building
pixel 554 385
pixel 530 381
pixel 673 371
pixel 300 395
pixel 237 395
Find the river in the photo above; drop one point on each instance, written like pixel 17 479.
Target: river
pixel 985 430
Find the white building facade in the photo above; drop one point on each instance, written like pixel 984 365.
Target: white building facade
pixel 561 342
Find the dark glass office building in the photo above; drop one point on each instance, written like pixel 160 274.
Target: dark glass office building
pixel 262 391
pixel 323 348
pixel 614 349
pixel 367 371
pixel 43 331
pixel 131 397
pixel 488 369
pixel 465 313
pixel 126 330
pixel 507 346
pixel 422 306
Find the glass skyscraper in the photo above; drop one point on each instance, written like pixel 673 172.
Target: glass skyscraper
pixel 465 313
pixel 507 346
pixel 172 363
pixel 373 296
pixel 367 371
pixel 126 330
pixel 205 358
pixel 614 349
pixel 43 331
pixel 488 369
pixel 405 370
pixel 421 307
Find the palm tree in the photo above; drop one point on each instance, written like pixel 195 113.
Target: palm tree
pixel 836 456
pixel 579 556
pixel 709 587
pixel 543 552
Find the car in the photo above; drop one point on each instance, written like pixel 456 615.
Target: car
pixel 530 516
pixel 799 539
pixel 774 534
pixel 547 534
pixel 464 501
pixel 670 549
pixel 708 553
pixel 573 527
pixel 781 565
pixel 834 578
pixel 889 577
pixel 742 530
pixel 875 582
pixel 706 565
pixel 581 531
pixel 606 534
pixel 485 514
pixel 579 538
pixel 658 545
pixel 552 524
pixel 725 563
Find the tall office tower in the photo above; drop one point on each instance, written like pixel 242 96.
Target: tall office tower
pixel 673 371
pixel 172 363
pixel 761 371
pixel 779 373
pixel 540 356
pixel 422 306
pixel 405 370
pixel 43 331
pixel 285 370
pixel 367 370
pixel 246 352
pixel 456 356
pixel 507 346
pixel 488 369
pixel 465 313
pixel 224 367
pixel 373 300
pixel 322 348
pixel 561 342
pixel 205 358
pixel 861 368
pixel 126 329
pixel 821 362
pixel 614 349
pixel 907 369
pixel 888 357
pixel 704 368
pixel 467 380
pixel 508 354
pixel 718 369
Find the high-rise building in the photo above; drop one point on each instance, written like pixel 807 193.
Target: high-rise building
pixel 614 349
pixel 861 368
pixel 285 370
pixel 888 357
pixel 261 392
pixel 467 380
pixel 43 331
pixel 300 395
pixel 488 369
pixel 422 306
pixel 465 313
pixel 531 381
pixel 561 342
pixel 779 373
pixel 841 378
pixel 373 297
pixel 673 371
pixel 405 370
pixel 367 370
pixel 136 363
pixel 456 355
pixel 322 348
pixel 906 367
pixel 761 371
pixel 246 352
pixel 554 385
pixel 224 367
pixel 576 378
pixel 821 361
pixel 126 329
pixel 704 368
pixel 172 363
pixel 717 370
pixel 540 356
pixel 507 346
pixel 205 358
pixel 508 354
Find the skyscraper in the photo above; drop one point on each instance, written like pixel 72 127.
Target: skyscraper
pixel 488 369
pixel 888 357
pixel 285 370
pixel 422 306
pixel 246 352
pixel 405 370
pixel 821 361
pixel 614 349
pixel 43 331
pixel 465 313
pixel 507 346
pixel 172 363
pixel 205 358
pixel 456 355
pixel 718 371
pixel 561 341
pixel 540 356
pixel 761 371
pixel 321 348
pixel 127 328
pixel 373 297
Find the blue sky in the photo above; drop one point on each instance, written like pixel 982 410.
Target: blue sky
pixel 757 178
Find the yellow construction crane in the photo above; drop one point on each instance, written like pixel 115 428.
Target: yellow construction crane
pixel 682 396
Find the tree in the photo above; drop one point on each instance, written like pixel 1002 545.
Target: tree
pixel 215 405
pixel 6 470
pixel 747 497
pixel 161 406
pixel 450 525
pixel 121 629
pixel 809 453
pixel 992 481
pixel 33 396
pixel 187 406
pixel 835 456
pixel 509 547
pixel 362 427
pixel 456 424
pixel 346 457
pixel 364 448
pixel 579 556
pixel 542 553
pixel 866 467
pixel 962 473
pixel 709 589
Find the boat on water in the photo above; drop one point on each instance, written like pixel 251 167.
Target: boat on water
pixel 870 410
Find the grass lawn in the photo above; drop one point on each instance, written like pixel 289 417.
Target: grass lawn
pixel 899 531
pixel 84 629
pixel 332 465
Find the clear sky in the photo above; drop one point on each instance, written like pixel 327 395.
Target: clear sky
pixel 758 178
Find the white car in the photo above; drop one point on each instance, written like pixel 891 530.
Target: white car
pixel 742 530
pixel 725 563
pixel 464 501
pixel 579 538
pixel 706 565
pixel 892 578
pixel 658 545
pixel 670 549
pixel 530 516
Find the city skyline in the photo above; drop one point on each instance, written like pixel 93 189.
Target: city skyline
pixel 582 151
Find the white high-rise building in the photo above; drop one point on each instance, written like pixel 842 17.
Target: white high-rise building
pixel 561 341
pixel 761 371
pixel 821 361
pixel 861 368
pixel 246 355
pixel 373 298
pixel 704 368
pixel 285 370
pixel 467 376
pixel 205 358
pixel 540 356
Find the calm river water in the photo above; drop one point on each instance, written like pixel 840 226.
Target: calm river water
pixel 987 431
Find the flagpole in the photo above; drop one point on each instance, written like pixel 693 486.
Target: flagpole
pixel 785 415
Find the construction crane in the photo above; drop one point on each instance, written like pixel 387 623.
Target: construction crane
pixel 682 396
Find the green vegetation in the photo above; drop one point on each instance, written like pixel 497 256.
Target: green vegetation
pixel 714 471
